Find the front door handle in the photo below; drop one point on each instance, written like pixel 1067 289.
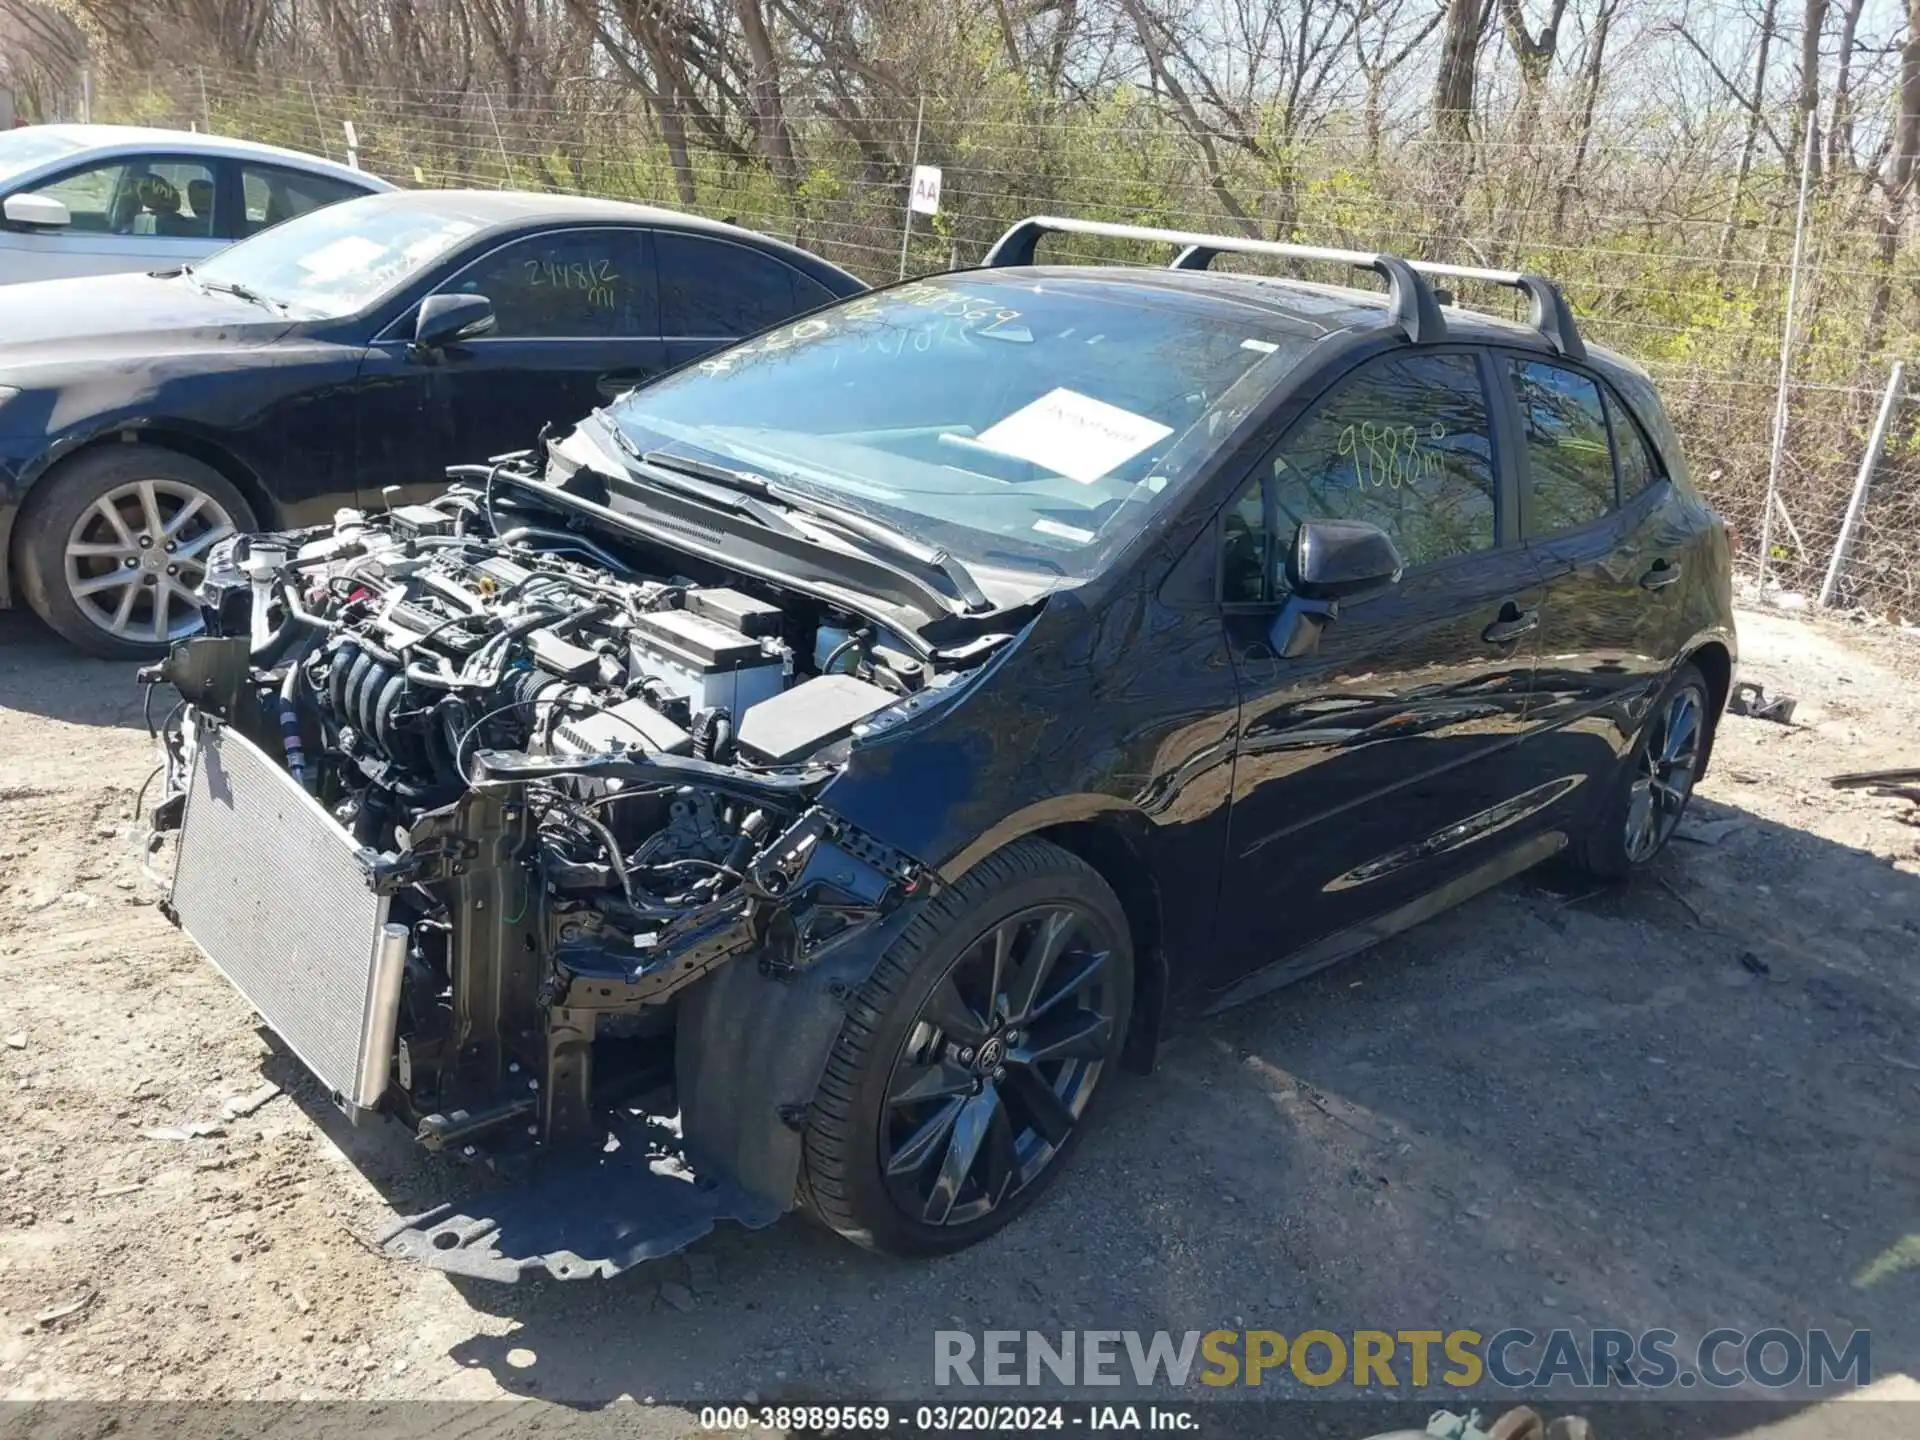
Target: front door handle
pixel 1510 624
pixel 1664 573
pixel 616 383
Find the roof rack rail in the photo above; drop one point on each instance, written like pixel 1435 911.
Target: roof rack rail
pixel 1414 308
pixel 1415 305
pixel 1547 309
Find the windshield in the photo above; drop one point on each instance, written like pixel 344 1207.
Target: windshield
pixel 27 148
pixel 336 261
pixel 1033 423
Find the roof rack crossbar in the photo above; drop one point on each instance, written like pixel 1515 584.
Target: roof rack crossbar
pixel 1547 309
pixel 1414 308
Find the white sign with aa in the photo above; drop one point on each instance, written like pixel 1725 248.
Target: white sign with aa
pixel 925 199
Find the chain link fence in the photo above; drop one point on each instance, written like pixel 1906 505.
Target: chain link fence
pixel 1667 252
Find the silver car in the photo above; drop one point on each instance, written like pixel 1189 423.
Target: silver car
pixel 96 199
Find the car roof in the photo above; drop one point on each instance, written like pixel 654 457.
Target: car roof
pixel 1310 309
pixel 518 209
pixel 120 138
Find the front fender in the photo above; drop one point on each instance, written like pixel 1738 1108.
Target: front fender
pixel 751 1046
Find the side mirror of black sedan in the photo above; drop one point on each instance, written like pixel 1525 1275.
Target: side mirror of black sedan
pixel 448 319
pixel 1331 561
pixel 1338 559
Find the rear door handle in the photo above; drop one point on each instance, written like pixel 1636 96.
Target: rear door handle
pixel 1663 574
pixel 1511 624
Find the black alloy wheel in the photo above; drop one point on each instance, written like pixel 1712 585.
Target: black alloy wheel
pixel 1648 790
pixel 1668 765
pixel 998 1066
pixel 973 1056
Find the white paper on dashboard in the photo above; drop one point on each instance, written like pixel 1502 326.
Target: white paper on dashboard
pixel 342 256
pixel 1074 434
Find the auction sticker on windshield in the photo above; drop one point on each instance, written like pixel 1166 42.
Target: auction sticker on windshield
pixel 1073 435
pixel 338 257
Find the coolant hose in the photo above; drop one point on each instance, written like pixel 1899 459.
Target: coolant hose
pixel 290 738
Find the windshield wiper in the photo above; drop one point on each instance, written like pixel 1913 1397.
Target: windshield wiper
pixel 240 292
pixel 847 521
pixel 726 497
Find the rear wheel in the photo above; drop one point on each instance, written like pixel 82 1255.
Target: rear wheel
pixel 965 1071
pixel 1650 792
pixel 114 541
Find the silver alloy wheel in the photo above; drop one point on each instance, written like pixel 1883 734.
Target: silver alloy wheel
pixel 136 553
pixel 1668 765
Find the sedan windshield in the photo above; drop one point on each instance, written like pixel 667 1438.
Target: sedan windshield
pixel 1035 423
pixel 26 148
pixel 334 262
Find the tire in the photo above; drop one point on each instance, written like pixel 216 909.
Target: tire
pixel 903 1028
pixel 1616 844
pixel 124 503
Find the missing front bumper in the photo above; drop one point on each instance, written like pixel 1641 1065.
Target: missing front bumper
pixel 582 1216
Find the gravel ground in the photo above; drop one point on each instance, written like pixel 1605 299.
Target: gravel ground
pixel 1689 1103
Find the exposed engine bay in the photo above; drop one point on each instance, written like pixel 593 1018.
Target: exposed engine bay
pixel 527 790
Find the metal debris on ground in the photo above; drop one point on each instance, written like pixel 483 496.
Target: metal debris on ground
pixel 238 1105
pixel 194 1130
pixel 1750 700
pixel 61 1311
pixel 1893 782
pixel 1708 832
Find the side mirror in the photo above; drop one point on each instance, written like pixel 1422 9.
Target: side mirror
pixel 40 212
pixel 1331 561
pixel 1338 559
pixel 448 319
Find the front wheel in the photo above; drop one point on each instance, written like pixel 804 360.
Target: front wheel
pixel 964 1074
pixel 113 542
pixel 1650 792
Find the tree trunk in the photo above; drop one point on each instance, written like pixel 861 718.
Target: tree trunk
pixel 1902 164
pixel 1453 116
pixel 1840 124
pixel 1813 20
pixel 1459 64
pixel 769 105
pixel 1749 144
pixel 1589 97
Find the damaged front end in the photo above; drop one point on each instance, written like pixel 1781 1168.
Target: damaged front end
pixel 467 816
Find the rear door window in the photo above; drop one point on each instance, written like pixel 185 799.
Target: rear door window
pixel 716 290
pixel 274 193
pixel 1569 463
pixel 1632 455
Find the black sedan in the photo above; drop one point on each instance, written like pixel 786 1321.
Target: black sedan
pixel 362 347
pixel 885 727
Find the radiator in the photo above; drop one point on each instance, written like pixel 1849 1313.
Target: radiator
pixel 272 889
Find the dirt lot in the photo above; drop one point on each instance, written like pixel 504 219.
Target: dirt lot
pixel 1692 1103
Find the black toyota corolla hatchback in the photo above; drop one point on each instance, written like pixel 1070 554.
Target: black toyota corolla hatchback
pixel 861 741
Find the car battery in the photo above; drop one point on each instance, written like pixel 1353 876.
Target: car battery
pixel 712 665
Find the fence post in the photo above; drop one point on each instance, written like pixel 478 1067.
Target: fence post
pixel 1778 449
pixel 206 114
pixel 319 125
pixel 906 224
pixel 500 140
pixel 1888 403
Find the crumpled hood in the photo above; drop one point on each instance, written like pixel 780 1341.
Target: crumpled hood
pixel 110 316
